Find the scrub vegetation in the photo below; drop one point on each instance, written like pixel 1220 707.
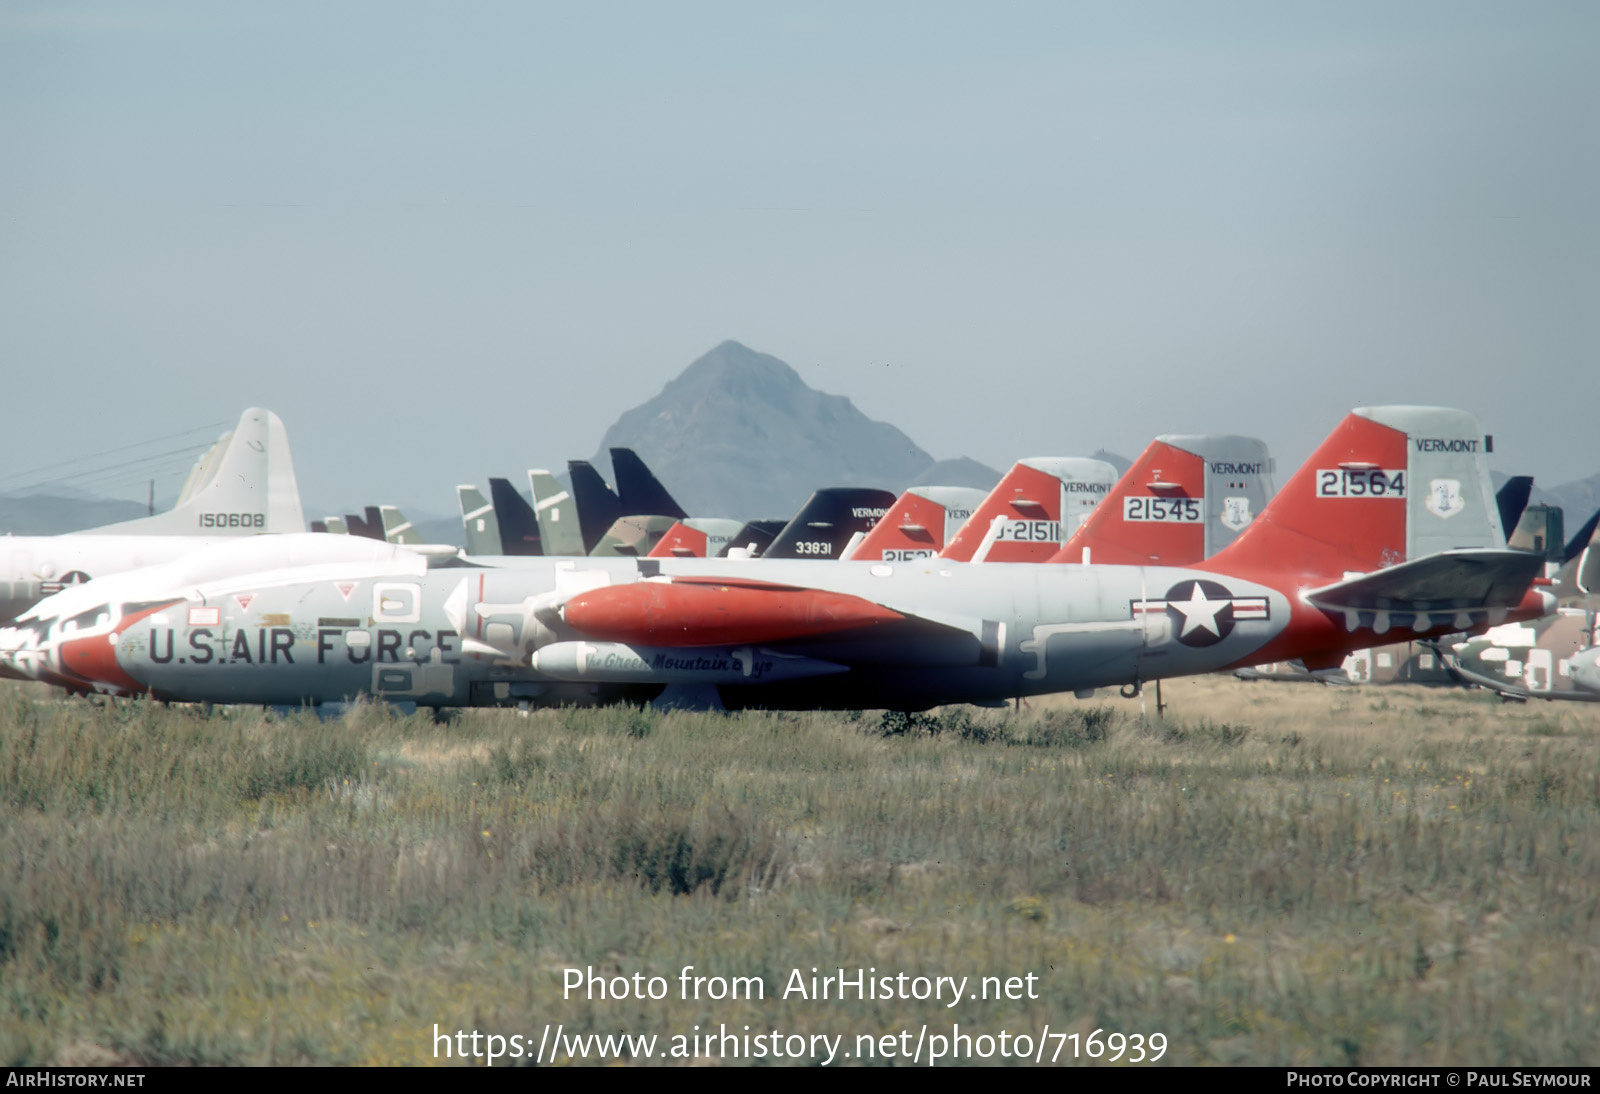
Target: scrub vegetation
pixel 1269 874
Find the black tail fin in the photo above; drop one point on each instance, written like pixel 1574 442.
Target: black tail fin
pixel 1512 498
pixel 639 491
pixel 369 528
pixel 519 526
pixel 826 523
pixel 754 538
pixel 598 507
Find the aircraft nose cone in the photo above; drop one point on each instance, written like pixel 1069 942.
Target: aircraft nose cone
pixel 94 658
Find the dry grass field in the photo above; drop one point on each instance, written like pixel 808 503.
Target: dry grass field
pixel 1274 873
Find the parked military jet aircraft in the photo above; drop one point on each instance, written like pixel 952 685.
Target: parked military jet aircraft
pixel 244 486
pixel 1389 528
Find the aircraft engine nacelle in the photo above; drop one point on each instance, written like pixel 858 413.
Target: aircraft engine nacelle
pixel 503 632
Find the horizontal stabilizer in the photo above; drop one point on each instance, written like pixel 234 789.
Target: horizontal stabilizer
pixel 1450 581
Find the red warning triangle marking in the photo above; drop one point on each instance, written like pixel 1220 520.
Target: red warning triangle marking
pixel 243 600
pixel 345 588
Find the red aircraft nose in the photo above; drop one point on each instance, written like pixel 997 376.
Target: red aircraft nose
pixel 95 659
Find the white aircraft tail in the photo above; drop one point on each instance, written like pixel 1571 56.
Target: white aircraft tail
pixel 201 472
pixel 245 486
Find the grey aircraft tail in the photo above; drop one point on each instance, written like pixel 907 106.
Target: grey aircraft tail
pixel 559 528
pixel 478 521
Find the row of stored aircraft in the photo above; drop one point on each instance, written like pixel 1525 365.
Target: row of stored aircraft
pixel 1180 566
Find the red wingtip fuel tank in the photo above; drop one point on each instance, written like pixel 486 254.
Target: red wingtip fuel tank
pixel 710 611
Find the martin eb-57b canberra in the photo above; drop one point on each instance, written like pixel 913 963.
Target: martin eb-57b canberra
pixel 1390 530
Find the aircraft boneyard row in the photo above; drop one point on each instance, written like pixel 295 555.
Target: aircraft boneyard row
pixel 1390 529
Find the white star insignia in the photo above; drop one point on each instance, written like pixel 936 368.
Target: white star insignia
pixel 1198 612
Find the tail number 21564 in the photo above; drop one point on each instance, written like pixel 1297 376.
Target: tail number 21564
pixel 1360 482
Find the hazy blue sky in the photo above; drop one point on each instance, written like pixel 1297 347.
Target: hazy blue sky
pixel 450 241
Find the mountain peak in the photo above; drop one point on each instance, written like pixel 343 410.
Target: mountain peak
pixel 735 368
pixel 738 433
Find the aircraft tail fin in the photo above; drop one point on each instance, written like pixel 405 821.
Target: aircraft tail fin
pixel 1542 530
pixel 1184 499
pixel 559 527
pixel 753 538
pixel 369 526
pixel 396 528
pixel 697 537
pixel 249 488
pixel 638 490
pixel 516 520
pixel 598 507
pixel 919 523
pixel 478 521
pixel 826 522
pixel 634 536
pixel 1512 499
pixel 1032 511
pixel 202 471
pixel 1389 483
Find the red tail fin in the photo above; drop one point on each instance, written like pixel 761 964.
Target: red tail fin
pixel 919 523
pixel 1154 516
pixel 1345 510
pixel 1036 505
